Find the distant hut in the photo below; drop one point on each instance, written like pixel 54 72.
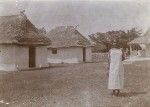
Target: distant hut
pixel 144 42
pixel 22 46
pixel 68 46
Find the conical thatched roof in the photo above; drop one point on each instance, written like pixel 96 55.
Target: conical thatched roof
pixel 67 36
pixel 145 39
pixel 17 29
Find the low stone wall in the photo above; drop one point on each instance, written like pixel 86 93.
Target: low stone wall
pixel 99 57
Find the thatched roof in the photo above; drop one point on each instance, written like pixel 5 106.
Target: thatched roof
pixel 145 39
pixel 67 36
pixel 42 30
pixel 17 29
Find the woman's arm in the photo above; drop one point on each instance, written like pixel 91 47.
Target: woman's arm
pixel 123 55
pixel 108 66
pixel 108 60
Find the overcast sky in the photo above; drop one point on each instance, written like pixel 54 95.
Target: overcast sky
pixel 91 16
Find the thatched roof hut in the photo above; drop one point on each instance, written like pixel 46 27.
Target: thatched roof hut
pixel 21 44
pixel 68 46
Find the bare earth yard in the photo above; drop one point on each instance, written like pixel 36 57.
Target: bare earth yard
pixel 75 85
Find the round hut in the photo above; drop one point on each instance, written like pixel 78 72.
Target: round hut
pixel 22 46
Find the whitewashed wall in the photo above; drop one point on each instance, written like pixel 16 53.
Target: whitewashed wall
pixel 41 56
pixel 21 57
pixel 66 55
pixel 133 53
pixel 14 57
pixel 7 59
pixel 147 50
pixel 88 54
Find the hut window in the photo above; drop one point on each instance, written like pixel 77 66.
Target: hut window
pixel 54 51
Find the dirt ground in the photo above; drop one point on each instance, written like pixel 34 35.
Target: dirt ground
pixel 74 85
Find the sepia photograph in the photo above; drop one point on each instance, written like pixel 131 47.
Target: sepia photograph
pixel 74 53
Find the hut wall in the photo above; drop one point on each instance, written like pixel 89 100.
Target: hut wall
pixel 147 50
pixel 22 57
pixel 133 53
pixel 89 54
pixel 66 55
pixel 14 57
pixel 7 57
pixel 41 56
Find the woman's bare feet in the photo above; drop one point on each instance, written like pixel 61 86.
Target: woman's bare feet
pixel 116 92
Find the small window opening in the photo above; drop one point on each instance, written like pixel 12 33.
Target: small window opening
pixel 54 51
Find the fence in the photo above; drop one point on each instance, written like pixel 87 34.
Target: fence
pixel 99 57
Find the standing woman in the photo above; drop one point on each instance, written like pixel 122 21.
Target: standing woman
pixel 116 70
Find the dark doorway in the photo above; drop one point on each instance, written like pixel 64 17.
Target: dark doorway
pixel 84 54
pixel 32 56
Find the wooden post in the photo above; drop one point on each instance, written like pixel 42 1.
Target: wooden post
pixel 130 50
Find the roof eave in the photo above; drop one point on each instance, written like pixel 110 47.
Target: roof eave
pixel 26 44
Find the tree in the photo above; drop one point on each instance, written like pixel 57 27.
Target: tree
pixel 121 37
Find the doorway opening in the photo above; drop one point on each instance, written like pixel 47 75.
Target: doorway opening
pixel 84 54
pixel 32 55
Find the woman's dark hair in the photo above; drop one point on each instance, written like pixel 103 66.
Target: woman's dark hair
pixel 115 45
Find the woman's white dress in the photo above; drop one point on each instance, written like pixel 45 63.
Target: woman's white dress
pixel 116 70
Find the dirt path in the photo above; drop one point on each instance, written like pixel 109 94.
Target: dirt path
pixel 79 85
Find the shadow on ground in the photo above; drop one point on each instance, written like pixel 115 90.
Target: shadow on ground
pixel 130 94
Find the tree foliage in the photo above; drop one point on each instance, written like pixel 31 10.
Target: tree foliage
pixel 121 37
